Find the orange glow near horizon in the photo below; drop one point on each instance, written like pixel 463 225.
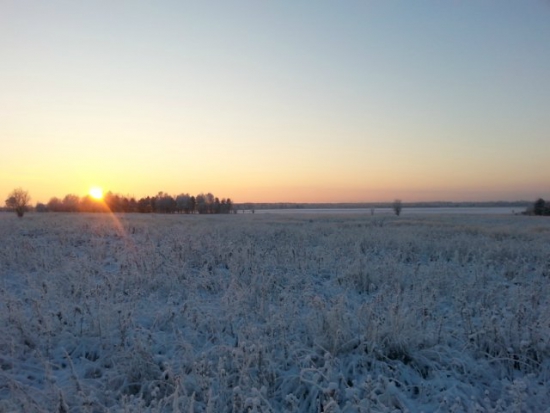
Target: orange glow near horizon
pixel 264 110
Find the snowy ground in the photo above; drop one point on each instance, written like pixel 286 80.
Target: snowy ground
pixel 272 313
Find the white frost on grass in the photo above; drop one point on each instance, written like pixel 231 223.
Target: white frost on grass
pixel 263 313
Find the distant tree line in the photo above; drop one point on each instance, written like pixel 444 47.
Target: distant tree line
pixel 160 203
pixel 539 207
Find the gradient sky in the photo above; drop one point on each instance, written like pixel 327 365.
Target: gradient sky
pixel 319 101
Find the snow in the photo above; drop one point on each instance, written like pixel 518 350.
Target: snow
pixel 274 313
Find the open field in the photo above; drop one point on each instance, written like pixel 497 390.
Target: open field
pixel 274 313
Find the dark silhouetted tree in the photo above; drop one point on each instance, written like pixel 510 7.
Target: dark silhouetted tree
pixel 229 205
pixel 113 202
pixel 165 203
pixel 144 205
pixel 201 206
pixel 87 204
pixel 71 203
pixel 55 205
pixel 397 206
pixel 18 200
pixel 209 199
pixel 226 206
pixel 539 207
pixel 183 202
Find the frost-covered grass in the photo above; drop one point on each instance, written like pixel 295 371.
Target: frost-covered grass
pixel 274 313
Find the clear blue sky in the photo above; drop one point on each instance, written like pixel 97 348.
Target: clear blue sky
pixel 277 101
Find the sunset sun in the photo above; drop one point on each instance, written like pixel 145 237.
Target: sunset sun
pixel 96 193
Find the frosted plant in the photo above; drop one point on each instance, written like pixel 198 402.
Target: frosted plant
pixel 274 313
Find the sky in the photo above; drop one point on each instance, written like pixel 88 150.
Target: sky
pixel 277 101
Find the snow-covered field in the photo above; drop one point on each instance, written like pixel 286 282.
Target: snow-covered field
pixel 274 313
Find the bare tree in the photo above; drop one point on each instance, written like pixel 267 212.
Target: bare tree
pixel 183 203
pixel 192 204
pixel 229 206
pixel 55 204
pixel 397 206
pixel 165 203
pixel 209 198
pixel 201 205
pixel 18 200
pixel 71 203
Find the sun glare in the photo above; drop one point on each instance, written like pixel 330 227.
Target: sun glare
pixel 96 193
